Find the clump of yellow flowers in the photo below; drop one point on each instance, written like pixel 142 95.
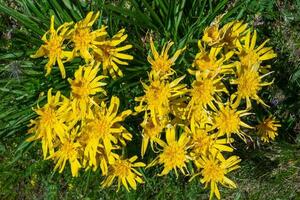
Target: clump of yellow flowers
pixel 187 122
pixel 85 128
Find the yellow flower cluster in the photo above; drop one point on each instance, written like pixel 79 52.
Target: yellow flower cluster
pixel 197 124
pixel 71 40
pixel 185 124
pixel 84 129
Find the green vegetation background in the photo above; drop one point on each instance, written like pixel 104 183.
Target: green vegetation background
pixel 267 171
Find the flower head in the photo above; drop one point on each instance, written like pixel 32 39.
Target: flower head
pixel 151 133
pixel 161 63
pixel 50 122
pixel 211 62
pixel 84 86
pixel 158 96
pixel 249 83
pixel 212 34
pixel 110 55
pixel 68 150
pixel 213 171
pixel 228 120
pixel 232 33
pixel 174 154
pixel 267 129
pixel 84 38
pixel 250 56
pixel 124 170
pixel 200 117
pixel 104 131
pixel 205 90
pixel 53 48
pixel 204 143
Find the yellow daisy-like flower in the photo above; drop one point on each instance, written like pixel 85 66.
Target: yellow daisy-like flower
pixel 205 90
pixel 151 133
pixel 232 33
pixel 105 130
pixel 158 95
pixel 124 170
pixel 213 171
pixel 110 55
pixel 249 83
pixel 199 117
pixel 50 122
pixel 212 34
pixel 174 154
pixel 68 151
pixel 228 120
pixel 84 38
pixel 204 144
pixel 211 61
pixel 250 56
pixel 227 36
pixel 267 129
pixel 53 48
pixel 85 84
pixel 94 154
pixel 161 63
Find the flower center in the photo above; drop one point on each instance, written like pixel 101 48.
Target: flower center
pixel 121 168
pixel 48 117
pixel 228 121
pixel 201 144
pixel 248 84
pixel 82 38
pixel 54 46
pixel 102 127
pixel 81 88
pixel 162 65
pixel 158 96
pixel 213 172
pixel 68 149
pixel 203 92
pixel 173 155
pixel 249 59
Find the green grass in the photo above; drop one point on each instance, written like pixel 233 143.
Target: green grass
pixel 267 171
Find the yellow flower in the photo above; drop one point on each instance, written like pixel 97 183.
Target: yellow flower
pixel 68 151
pixel 213 171
pixel 267 129
pixel 50 122
pixel 151 132
pixel 232 32
pixel 174 154
pixel 228 120
pixel 199 117
pixel 84 38
pixel 250 56
pixel 205 90
pixel 105 130
pixel 209 62
pixel 249 83
pixel 110 55
pixel 158 95
pixel 227 36
pixel 161 63
pixel 212 34
pixel 204 144
pixel 124 170
pixel 85 84
pixel 53 48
